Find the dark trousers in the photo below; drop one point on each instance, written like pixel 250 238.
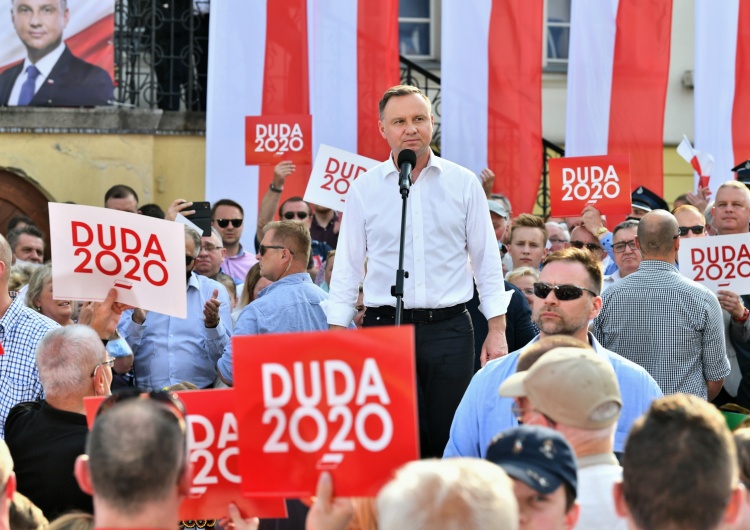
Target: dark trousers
pixel 445 365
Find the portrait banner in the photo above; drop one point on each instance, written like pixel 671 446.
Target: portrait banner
pixel 271 139
pixel 95 249
pixel 718 262
pixel 599 181
pixel 82 71
pixel 342 402
pixel 332 174
pixel 212 443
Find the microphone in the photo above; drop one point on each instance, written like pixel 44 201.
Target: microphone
pixel 407 159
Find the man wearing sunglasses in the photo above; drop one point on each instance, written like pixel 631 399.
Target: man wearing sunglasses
pixel 565 300
pixel 169 350
pixel 663 321
pixel 228 218
pixel 45 437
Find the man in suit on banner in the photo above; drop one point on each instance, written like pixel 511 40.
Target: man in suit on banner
pixel 50 75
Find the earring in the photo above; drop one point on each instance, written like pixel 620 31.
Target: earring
pixel 39 309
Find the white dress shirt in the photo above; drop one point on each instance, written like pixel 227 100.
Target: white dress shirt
pixel 44 65
pixel 447 221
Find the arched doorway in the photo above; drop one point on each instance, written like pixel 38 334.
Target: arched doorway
pixel 19 194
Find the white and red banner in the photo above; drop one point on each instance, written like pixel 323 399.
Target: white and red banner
pixel 600 181
pixel 96 249
pixel 271 139
pixel 331 59
pixel 89 34
pixel 332 174
pixel 618 70
pixel 491 89
pixel 214 454
pixel 343 402
pixel 718 262
pixel 722 84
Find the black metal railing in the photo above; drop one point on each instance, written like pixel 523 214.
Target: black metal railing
pixel 429 83
pixel 161 54
pixel 549 150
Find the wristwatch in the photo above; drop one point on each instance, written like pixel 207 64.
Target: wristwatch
pixel 275 189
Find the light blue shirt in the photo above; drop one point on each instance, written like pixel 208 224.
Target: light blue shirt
pixel 168 350
pixel 288 305
pixel 483 414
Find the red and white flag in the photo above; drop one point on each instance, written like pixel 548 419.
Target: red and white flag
pixel 491 87
pixel 331 59
pixel 618 70
pixel 722 84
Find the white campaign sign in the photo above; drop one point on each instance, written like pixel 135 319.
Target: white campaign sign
pixel 95 249
pixel 332 174
pixel 718 262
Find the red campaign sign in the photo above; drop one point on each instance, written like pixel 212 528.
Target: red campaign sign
pixel 214 451
pixel 600 181
pixel 270 139
pixel 344 402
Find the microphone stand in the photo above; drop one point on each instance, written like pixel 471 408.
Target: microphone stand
pixel 398 289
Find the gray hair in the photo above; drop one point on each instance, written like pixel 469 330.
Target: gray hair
pixel 65 357
pixel 190 233
pixel 39 278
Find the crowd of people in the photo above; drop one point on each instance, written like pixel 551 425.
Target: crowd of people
pixel 569 377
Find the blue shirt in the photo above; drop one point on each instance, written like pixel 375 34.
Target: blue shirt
pixel 21 328
pixel 482 413
pixel 288 305
pixel 168 350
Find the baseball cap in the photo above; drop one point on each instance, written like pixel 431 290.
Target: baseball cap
pixel 496 207
pixel 571 386
pixel 537 456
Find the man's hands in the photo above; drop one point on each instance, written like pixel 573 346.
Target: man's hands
pixel 731 303
pixel 488 180
pixel 592 219
pixel 235 521
pixel 211 310
pixel 281 171
pixel 329 512
pixel 104 316
pixel 495 345
pixel 139 315
pixel 178 206
pixel 700 199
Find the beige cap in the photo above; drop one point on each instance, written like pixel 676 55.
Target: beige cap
pixel 571 386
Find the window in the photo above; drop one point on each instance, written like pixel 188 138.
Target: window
pixel 416 29
pixel 558 35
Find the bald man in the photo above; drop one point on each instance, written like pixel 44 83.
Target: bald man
pixel 663 321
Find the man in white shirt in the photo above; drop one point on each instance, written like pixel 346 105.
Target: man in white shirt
pixel 50 75
pixel 448 223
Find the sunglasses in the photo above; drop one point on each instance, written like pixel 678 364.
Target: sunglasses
pixel 223 223
pixel 562 292
pixel 263 248
pixel 592 247
pixel 518 412
pixel 697 230
pixel 291 215
pixel 109 362
pixel 165 398
pixel 620 247
pixel 189 260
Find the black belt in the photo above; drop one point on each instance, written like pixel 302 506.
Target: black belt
pixel 421 315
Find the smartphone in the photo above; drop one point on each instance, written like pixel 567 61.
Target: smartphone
pixel 202 216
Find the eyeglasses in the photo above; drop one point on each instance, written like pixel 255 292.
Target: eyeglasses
pixel 697 229
pixel 189 260
pixel 263 248
pixel 291 215
pixel 518 412
pixel 223 223
pixel 620 247
pixel 109 362
pixel 592 247
pixel 210 248
pixel 555 240
pixel 562 292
